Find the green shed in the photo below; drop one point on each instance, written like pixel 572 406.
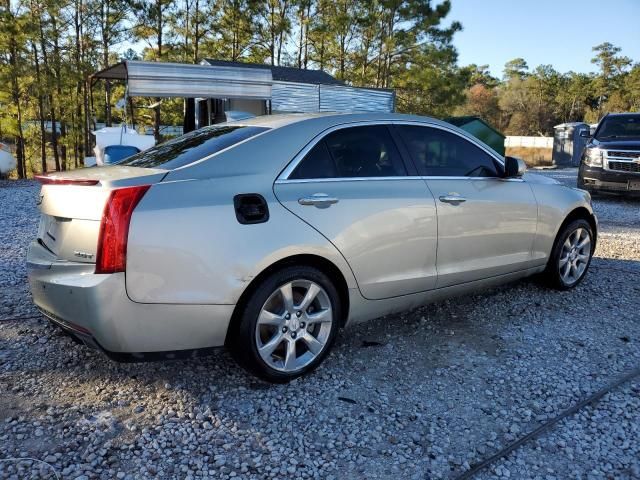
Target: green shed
pixel 481 130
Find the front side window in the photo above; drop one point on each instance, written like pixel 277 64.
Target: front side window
pixel 440 153
pixel 367 151
pixel 191 147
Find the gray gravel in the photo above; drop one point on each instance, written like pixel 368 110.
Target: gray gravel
pixel 435 391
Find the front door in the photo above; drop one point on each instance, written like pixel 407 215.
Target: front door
pixel 486 224
pixel 352 187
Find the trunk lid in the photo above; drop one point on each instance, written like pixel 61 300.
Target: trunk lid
pixel 71 212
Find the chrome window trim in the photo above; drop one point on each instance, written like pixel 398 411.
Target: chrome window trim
pixel 288 170
pixel 282 181
pixel 345 179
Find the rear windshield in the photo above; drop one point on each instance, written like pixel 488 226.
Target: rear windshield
pixel 623 126
pixel 191 147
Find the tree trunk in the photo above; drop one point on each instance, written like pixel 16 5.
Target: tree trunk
pixel 283 14
pixel 185 50
pixel 301 35
pixel 58 74
pixel 20 153
pixel 52 110
pixel 156 122
pixel 306 37
pixel 272 45
pixel 133 116
pixel 107 103
pixel 15 95
pixel 342 56
pixel 196 32
pixel 105 13
pixel 43 130
pixel 81 146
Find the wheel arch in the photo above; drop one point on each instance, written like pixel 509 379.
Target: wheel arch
pixel 324 265
pixel 580 213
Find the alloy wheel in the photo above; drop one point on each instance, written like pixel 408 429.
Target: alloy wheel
pixel 294 325
pixel 574 256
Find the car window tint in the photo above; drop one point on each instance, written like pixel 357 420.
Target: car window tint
pixel 317 164
pixel 353 152
pixel 440 153
pixel 191 147
pixel 365 152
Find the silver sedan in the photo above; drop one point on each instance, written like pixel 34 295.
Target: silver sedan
pixel 269 235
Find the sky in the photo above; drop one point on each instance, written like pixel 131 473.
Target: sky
pixel 560 33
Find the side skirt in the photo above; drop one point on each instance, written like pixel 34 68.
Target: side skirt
pixel 362 309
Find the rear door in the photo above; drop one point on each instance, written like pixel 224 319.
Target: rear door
pixel 352 186
pixel 486 224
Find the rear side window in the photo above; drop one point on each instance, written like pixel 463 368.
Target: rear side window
pixel 191 147
pixel 440 153
pixel 367 151
pixel 317 164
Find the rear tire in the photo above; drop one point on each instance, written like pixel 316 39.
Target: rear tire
pixel 571 256
pixel 288 324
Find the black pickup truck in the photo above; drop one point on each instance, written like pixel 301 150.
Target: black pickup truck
pixel 611 158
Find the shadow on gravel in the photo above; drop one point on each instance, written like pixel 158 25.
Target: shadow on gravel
pixel 501 361
pixel 615 198
pixel 630 267
pixel 437 333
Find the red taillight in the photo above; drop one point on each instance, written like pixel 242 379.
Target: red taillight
pixel 114 228
pixel 53 180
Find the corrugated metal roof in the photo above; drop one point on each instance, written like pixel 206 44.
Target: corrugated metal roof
pixel 160 79
pixel 283 74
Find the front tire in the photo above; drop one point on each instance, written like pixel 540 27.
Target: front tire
pixel 571 256
pixel 288 324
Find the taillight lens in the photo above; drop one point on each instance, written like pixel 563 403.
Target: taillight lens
pixel 114 228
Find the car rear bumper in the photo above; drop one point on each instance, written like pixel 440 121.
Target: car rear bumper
pixel 96 309
pixel 594 179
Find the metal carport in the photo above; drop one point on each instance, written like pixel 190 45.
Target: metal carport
pixel 214 87
pixel 159 79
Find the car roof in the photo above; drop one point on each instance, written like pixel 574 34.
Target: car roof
pixel 623 114
pixel 287 135
pixel 281 120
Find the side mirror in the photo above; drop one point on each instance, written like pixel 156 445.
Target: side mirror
pixel 585 133
pixel 514 167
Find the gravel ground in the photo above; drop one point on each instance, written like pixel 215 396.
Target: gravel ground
pixel 423 394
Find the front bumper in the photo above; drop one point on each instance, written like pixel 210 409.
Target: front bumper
pixel 595 179
pixel 97 310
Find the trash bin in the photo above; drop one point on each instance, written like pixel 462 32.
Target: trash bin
pixel 568 144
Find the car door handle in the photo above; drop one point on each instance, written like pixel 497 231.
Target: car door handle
pixel 321 200
pixel 455 199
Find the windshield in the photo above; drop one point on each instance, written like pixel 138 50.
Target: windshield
pixel 191 147
pixel 623 126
